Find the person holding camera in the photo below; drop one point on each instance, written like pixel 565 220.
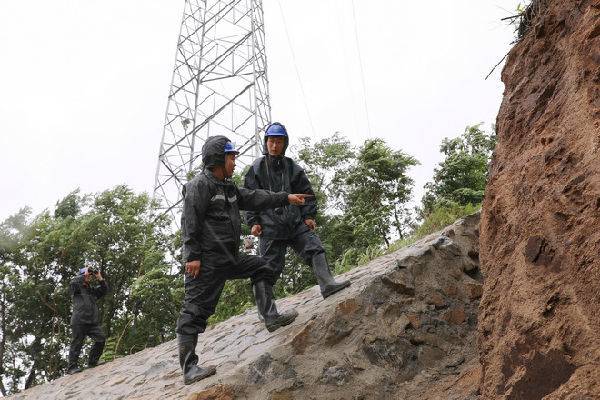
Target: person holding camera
pixel 287 226
pixel 211 230
pixel 85 320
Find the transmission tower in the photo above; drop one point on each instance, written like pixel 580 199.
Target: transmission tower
pixel 219 87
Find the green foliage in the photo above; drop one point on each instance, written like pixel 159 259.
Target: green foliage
pixel 296 277
pixel 236 298
pixel 442 216
pixel 70 206
pixel 376 191
pixel 462 175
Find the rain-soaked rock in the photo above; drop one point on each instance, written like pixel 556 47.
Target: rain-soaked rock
pixel 335 375
pixel 384 352
pixel 219 392
pixel 258 369
pixel 455 315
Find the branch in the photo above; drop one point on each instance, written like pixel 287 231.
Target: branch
pixel 121 337
pixel 496 66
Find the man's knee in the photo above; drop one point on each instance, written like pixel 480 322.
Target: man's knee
pixel 99 338
pixel 308 245
pixel 265 273
pixel 77 334
pixel 274 255
pixel 192 319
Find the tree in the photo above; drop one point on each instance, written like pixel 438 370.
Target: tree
pixel 461 177
pixel 379 187
pixel 362 195
pixel 325 163
pixel 12 231
pixel 122 232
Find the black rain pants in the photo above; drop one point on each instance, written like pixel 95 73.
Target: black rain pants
pixel 306 244
pixel 79 332
pixel 202 293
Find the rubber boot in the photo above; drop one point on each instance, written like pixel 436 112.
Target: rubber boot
pixel 188 360
pixel 265 303
pixel 73 368
pixel 95 354
pixel 326 281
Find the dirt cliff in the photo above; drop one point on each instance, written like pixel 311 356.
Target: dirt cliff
pixel 540 231
pixel 404 329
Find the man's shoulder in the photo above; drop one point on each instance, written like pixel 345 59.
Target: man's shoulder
pixel 258 161
pixel 293 164
pixel 200 180
pixel 255 167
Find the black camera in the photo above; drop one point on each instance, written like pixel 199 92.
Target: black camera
pixel 92 270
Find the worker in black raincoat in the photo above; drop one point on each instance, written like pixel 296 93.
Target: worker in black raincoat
pixel 85 320
pixel 287 226
pixel 211 229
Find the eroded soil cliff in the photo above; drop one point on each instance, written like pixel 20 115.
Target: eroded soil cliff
pixel 540 235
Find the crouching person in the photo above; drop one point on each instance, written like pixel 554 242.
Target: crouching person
pixel 211 229
pixel 85 320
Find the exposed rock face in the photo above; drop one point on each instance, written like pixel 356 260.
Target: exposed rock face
pixel 404 329
pixel 539 319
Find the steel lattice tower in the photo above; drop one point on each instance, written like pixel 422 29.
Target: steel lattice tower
pixel 219 87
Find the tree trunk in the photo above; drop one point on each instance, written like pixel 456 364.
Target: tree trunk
pixel 398 225
pixel 2 341
pixel 35 347
pixel 385 239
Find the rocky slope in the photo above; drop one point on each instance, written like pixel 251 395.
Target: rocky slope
pixel 540 235
pixel 404 329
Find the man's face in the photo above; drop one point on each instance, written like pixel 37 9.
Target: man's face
pixel 275 145
pixel 229 164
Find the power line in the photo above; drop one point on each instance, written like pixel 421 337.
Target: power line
pixel 362 72
pixel 289 40
pixel 340 24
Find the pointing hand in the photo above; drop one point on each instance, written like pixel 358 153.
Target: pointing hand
pixel 298 199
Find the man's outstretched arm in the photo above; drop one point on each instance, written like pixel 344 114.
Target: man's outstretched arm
pixel 259 199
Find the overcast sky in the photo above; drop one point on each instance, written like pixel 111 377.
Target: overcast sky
pixel 84 83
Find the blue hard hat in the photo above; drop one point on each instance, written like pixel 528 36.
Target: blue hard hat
pixel 230 148
pixel 276 129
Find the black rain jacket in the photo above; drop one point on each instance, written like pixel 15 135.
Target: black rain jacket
pixel 280 173
pixel 85 309
pixel 210 220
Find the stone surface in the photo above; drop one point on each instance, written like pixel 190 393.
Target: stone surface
pixel 540 229
pixel 378 339
pixel 455 316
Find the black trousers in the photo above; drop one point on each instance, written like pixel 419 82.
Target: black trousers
pixel 306 244
pixel 203 292
pixel 79 332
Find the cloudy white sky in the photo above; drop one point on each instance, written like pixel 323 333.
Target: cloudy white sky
pixel 84 83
